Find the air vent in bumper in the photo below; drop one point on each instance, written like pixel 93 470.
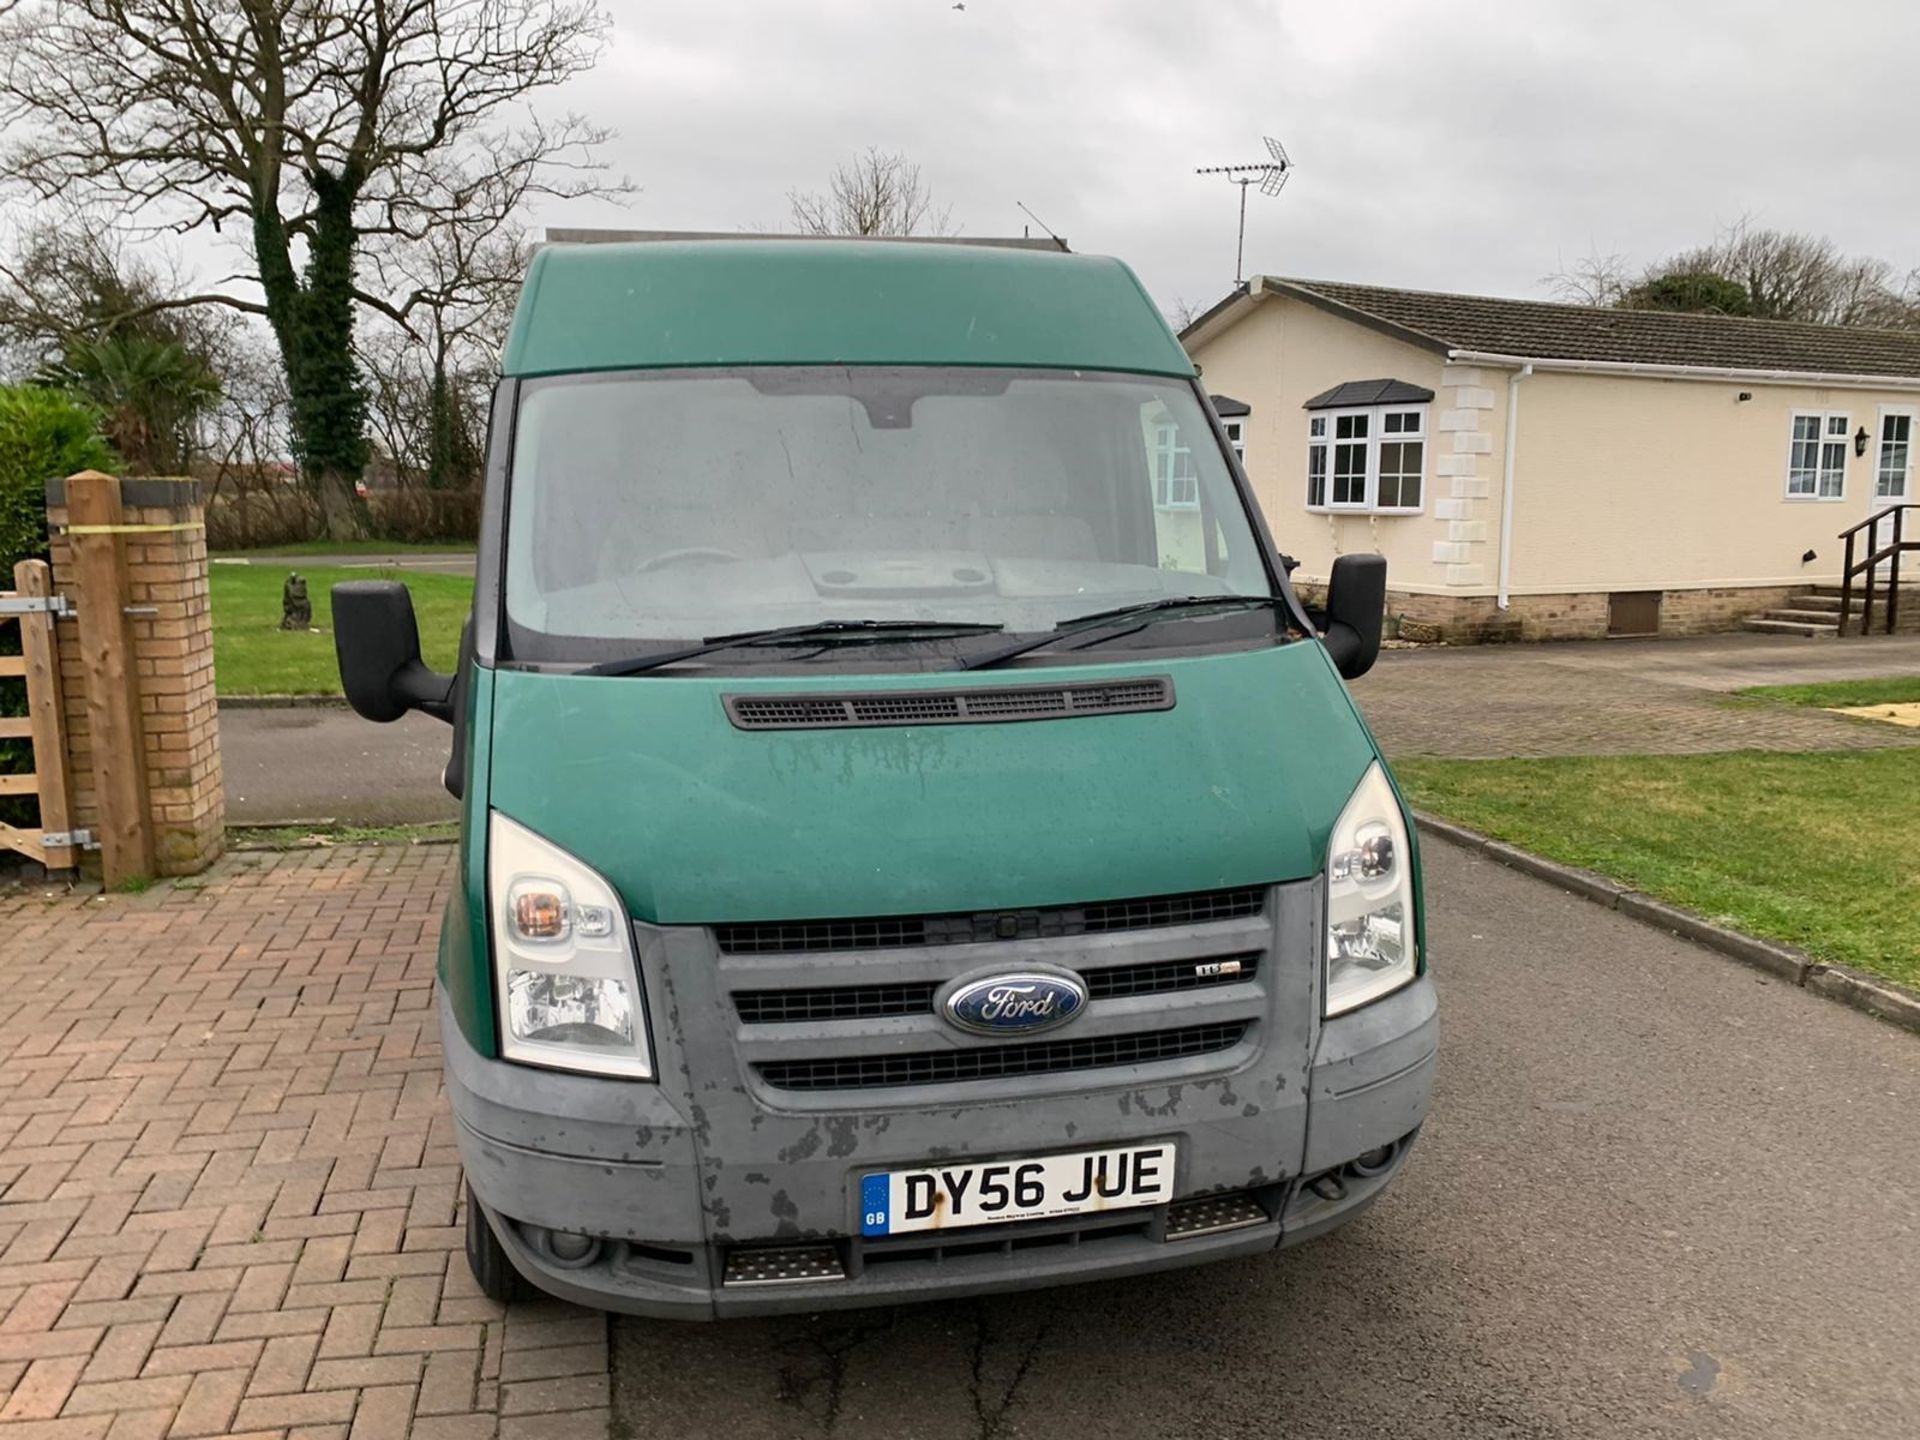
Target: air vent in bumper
pixel 783 1265
pixel 1210 1214
pixel 824 710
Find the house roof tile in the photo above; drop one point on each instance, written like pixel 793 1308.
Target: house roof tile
pixel 1542 330
pixel 1369 392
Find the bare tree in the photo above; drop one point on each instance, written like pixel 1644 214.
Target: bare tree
pixel 1748 271
pixel 323 128
pixel 65 280
pixel 1183 312
pixel 1790 275
pixel 428 390
pixel 462 279
pixel 878 193
pixel 1594 279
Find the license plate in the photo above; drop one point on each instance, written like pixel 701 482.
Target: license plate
pixel 943 1197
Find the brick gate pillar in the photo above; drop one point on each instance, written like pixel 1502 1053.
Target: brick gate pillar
pixel 161 538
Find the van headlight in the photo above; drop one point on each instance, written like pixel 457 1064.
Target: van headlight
pixel 563 955
pixel 1371 947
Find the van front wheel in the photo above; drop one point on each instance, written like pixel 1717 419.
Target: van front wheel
pixel 487 1258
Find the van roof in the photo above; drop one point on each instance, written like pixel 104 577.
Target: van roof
pixel 666 304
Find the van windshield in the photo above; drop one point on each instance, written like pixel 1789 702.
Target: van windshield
pixel 672 506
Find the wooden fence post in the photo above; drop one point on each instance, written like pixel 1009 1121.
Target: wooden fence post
pixel 33 579
pixel 94 530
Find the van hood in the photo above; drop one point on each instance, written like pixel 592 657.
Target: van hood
pixel 694 821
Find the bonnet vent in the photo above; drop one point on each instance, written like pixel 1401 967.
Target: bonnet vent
pixel 823 710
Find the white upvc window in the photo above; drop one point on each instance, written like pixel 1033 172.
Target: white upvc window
pixel 1817 455
pixel 1893 471
pixel 1236 439
pixel 1176 484
pixel 1372 459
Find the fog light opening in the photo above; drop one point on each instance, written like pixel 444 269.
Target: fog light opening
pixel 1374 1162
pixel 566 1249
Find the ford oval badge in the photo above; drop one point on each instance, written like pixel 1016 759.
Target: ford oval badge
pixel 1016 1004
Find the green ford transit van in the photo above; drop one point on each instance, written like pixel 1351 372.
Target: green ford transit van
pixel 915 842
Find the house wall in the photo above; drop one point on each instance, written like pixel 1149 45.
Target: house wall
pixel 1284 352
pixel 1624 483
pixel 1621 483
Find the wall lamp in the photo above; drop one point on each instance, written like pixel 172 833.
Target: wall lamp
pixel 1860 441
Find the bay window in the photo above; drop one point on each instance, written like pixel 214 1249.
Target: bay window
pixel 1371 459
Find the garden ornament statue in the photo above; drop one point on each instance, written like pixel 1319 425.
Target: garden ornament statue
pixel 296 610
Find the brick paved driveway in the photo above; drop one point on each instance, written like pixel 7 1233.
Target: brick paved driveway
pixel 229 1196
pixel 1623 697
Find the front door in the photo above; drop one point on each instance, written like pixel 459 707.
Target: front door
pixel 1892 472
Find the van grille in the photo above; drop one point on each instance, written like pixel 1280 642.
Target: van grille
pixel 844 1002
pixel 869 1002
pixel 971 706
pixel 897 932
pixel 937 1067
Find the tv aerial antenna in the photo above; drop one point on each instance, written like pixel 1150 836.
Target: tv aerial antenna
pixel 1270 175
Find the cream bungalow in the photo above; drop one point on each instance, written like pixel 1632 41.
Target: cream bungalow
pixel 1549 470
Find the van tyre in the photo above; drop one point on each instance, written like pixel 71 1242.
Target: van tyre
pixel 488 1259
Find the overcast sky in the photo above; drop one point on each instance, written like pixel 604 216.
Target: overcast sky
pixel 1438 145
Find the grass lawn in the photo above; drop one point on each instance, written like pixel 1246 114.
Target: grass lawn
pixel 1840 694
pixel 253 656
pixel 353 547
pixel 1816 850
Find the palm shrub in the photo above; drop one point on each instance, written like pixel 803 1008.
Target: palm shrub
pixel 152 395
pixel 44 433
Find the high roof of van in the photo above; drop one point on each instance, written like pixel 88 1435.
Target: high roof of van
pixel 653 305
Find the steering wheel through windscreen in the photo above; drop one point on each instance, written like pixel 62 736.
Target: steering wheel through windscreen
pixel 705 554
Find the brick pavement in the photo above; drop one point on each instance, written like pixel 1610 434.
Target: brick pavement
pixel 230 1202
pixel 1658 697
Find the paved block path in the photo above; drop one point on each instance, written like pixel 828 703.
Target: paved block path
pixel 1624 697
pixel 230 1201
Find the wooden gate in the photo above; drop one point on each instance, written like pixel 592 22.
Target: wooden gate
pixel 32 606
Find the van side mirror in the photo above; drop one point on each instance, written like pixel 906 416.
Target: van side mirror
pixel 1356 609
pixel 378 644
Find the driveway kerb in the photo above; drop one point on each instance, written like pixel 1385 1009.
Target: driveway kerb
pixel 1869 994
pixel 282 702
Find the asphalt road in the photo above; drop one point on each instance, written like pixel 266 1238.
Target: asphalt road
pixel 1660 1195
pixel 323 762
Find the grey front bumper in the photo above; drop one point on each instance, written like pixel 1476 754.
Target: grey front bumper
pixel 630 1163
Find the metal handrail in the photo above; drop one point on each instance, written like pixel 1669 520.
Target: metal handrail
pixel 1876 553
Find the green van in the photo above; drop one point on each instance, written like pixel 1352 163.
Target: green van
pixel 915 841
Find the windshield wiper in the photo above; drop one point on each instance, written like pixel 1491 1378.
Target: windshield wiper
pixel 1101 619
pixel 820 632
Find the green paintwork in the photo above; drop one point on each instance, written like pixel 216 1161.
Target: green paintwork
pixel 823 302
pixel 466 956
pixel 696 822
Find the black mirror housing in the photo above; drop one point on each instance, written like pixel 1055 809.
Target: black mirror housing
pixel 377 641
pixel 1356 611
